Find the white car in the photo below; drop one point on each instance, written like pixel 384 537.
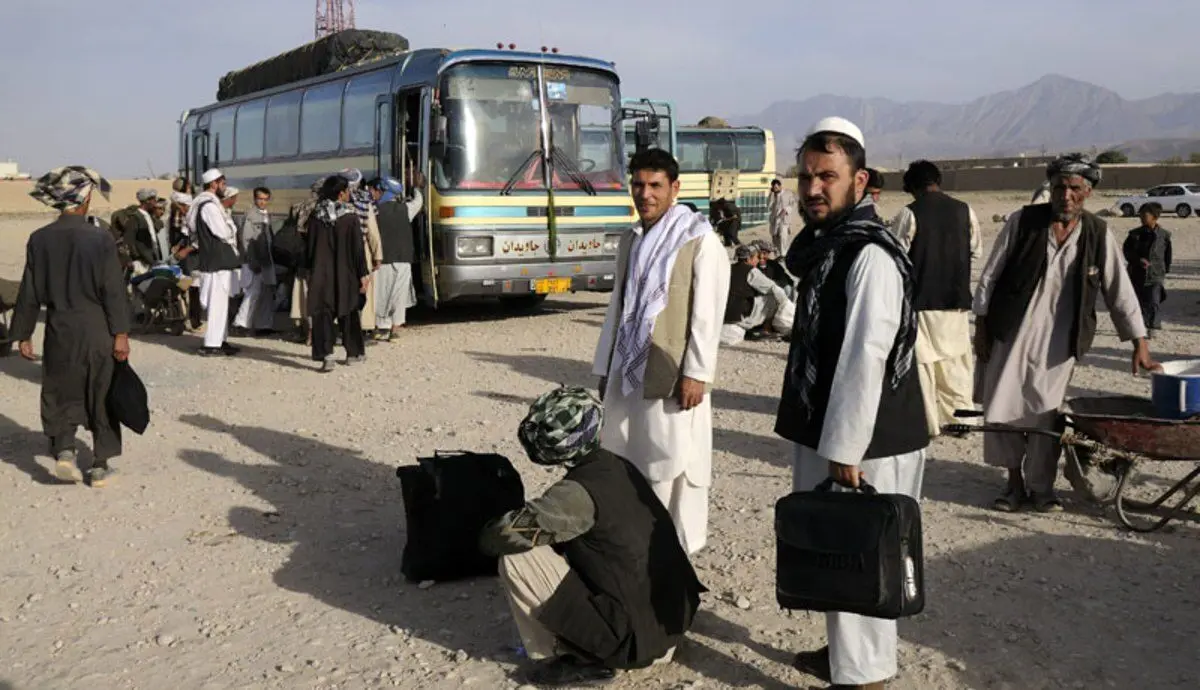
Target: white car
pixel 1179 198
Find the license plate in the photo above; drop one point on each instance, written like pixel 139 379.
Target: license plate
pixel 551 286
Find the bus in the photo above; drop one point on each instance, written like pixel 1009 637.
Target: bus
pixel 701 151
pixel 518 205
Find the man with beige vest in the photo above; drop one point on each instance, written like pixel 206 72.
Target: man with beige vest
pixel 657 355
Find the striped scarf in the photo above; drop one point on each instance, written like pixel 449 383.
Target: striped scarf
pixel 811 258
pixel 644 293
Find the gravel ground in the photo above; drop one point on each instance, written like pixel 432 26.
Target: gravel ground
pixel 252 538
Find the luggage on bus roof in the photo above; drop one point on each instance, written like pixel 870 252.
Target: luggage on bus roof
pixel 323 56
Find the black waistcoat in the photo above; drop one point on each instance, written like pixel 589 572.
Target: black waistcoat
pixel 395 232
pixel 941 253
pixel 215 253
pixel 741 295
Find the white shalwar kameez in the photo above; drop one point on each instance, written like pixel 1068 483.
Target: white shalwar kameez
pixel 671 446
pixel 945 362
pixel 217 287
pixel 862 650
pixel 1024 382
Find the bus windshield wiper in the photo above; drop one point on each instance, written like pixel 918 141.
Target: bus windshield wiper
pixel 564 161
pixel 512 181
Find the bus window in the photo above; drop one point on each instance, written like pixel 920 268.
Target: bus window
pixel 721 153
pixel 692 156
pixel 250 119
pixel 220 130
pixel 320 117
pixel 283 125
pixel 751 151
pixel 358 109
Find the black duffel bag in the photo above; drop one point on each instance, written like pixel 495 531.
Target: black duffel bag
pixel 854 552
pixel 447 501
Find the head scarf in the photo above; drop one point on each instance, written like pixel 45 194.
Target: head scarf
pixel 181 198
pixel 329 211
pixel 391 188
pixel 360 197
pixel 562 426
pixel 66 188
pixel 1074 164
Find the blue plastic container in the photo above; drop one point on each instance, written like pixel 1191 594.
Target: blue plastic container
pixel 1175 390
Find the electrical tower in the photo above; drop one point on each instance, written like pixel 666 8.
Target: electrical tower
pixel 333 16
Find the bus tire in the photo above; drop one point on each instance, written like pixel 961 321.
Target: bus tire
pixel 522 302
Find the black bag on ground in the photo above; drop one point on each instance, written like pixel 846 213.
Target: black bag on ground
pixel 849 551
pixel 288 247
pixel 128 403
pixel 447 501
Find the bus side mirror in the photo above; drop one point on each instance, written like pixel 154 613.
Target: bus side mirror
pixel 643 135
pixel 439 130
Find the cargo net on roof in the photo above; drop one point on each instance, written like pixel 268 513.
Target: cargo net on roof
pixel 324 56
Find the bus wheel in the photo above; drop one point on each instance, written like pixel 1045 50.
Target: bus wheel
pixel 522 302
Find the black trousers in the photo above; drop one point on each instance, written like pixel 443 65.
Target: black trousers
pixel 324 336
pixel 1150 297
pixel 195 311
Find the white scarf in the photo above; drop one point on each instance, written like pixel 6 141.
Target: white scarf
pixel 645 290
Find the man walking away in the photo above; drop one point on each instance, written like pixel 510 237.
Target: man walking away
pixel 394 292
pixel 1148 255
pixel 941 235
pixel 72 269
pixel 851 400
pixel 780 205
pixel 657 354
pixel 217 239
pixel 1035 309
pixel 258 272
pixel 338 274
pixel 727 218
pixel 593 571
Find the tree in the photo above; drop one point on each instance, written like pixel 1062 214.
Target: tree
pixel 1112 157
pixel 1173 160
pixel 1194 158
pixel 793 171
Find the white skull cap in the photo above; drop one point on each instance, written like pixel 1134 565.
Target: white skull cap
pixel 839 125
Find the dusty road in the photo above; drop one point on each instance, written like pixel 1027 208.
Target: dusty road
pixel 252 538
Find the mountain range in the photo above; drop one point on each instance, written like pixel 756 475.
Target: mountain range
pixel 1053 114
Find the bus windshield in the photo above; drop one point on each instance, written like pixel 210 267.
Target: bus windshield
pixel 493 128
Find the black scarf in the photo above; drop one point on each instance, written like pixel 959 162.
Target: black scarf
pixel 810 259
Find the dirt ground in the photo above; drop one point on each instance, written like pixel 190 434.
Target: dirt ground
pixel 252 538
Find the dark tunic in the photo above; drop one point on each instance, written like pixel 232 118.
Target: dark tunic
pixel 71 268
pixel 337 263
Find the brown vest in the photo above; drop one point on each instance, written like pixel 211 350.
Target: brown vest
pixel 669 339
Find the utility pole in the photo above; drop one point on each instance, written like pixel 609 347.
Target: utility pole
pixel 333 16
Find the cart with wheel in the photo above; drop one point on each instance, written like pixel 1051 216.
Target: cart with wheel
pixel 1104 439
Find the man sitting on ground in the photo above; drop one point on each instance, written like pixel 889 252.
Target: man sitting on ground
pixel 756 303
pixel 593 569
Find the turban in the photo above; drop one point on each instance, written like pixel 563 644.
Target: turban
pixel 68 187
pixel 562 425
pixel 146 194
pixel 231 192
pixel 391 188
pixel 1074 164
pixel 181 198
pixel 353 175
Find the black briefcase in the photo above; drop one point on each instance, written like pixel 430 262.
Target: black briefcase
pixel 854 552
pixel 447 501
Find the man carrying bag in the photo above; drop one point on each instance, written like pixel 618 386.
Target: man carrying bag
pixel 851 399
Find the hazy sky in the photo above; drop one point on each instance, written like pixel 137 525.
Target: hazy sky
pixel 103 83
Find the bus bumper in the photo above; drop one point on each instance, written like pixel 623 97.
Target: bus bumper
pixel 457 281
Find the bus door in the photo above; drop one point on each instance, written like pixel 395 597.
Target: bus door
pixel 200 159
pixel 407 153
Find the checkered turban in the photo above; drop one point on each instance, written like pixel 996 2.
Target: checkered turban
pixel 562 426
pixel 66 188
pixel 1074 164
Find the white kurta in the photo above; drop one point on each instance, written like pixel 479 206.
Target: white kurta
pixel 1025 382
pixel 944 360
pixel 862 650
pixel 779 218
pixel 671 446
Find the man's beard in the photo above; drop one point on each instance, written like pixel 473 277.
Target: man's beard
pixel 836 214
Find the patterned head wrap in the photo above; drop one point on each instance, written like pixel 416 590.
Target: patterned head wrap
pixel 1074 164
pixel 66 188
pixel 391 188
pixel 563 425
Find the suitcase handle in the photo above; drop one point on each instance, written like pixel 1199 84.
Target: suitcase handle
pixel 863 486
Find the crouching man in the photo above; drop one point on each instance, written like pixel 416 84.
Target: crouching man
pixel 594 572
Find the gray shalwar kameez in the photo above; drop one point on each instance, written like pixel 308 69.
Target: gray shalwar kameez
pixel 1025 382
pixel 71 268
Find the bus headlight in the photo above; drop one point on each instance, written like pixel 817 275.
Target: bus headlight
pixel 474 246
pixel 611 242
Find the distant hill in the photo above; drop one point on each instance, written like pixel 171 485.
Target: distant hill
pixel 1155 150
pixel 1055 113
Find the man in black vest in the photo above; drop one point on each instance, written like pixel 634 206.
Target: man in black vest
pixel 394 292
pixel 1148 252
pixel 1035 316
pixel 851 400
pixel 216 238
pixel 942 237
pixel 137 228
pixel 754 299
pixel 593 569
